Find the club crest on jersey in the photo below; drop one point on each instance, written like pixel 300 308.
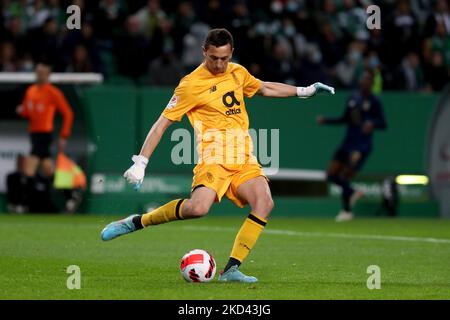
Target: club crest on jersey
pixel 173 102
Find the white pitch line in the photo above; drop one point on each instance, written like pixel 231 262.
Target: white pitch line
pixel 329 235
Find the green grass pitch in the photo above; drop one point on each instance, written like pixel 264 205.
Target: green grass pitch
pixel 294 259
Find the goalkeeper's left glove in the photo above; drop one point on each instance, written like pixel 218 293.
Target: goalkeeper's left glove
pixel 309 91
pixel 135 174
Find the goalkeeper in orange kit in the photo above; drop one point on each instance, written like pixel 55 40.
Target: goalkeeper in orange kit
pixel 212 96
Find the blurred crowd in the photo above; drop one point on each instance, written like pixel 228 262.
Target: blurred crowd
pixel 293 41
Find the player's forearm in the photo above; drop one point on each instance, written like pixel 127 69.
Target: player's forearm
pixel 154 136
pixel 277 90
pixel 282 90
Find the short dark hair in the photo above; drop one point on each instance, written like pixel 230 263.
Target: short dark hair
pixel 218 38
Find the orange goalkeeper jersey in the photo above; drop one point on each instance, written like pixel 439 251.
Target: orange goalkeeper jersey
pixel 39 106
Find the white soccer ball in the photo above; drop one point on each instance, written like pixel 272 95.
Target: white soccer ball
pixel 198 266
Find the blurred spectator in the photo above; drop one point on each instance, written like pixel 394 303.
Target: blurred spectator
pixel 165 70
pixel 163 39
pixel 27 193
pixel 402 33
pixel 352 21
pixel 25 63
pixel 192 46
pixel 55 11
pixel 45 44
pixel 7 57
pixel 213 14
pixel 15 34
pixel 329 15
pixel 239 22
pixel 441 15
pixel 436 73
pixel 109 17
pixel 439 41
pixel 36 30
pixel 80 61
pixel 372 62
pixel 183 20
pixel 132 50
pixel 346 71
pixel 312 68
pixel 149 17
pixel 410 76
pixel 280 67
pixel 36 14
pixel 84 37
pixel 330 46
pixel 18 188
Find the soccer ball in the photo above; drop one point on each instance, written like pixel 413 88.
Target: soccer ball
pixel 198 266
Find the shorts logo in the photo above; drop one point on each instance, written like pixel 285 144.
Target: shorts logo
pixel 173 102
pixel 209 177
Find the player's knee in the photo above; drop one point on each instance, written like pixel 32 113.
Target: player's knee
pixel 199 209
pixel 265 206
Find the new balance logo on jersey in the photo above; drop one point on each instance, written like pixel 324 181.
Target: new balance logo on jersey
pixel 213 89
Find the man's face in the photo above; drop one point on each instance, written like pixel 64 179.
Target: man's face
pixel 217 58
pixel 42 73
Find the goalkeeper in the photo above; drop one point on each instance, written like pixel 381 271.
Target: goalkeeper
pixel 212 96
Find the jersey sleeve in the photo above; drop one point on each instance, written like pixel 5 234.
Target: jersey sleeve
pixel 25 112
pixel 66 111
pixel 181 102
pixel 251 84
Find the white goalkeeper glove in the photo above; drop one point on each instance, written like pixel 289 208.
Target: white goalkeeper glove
pixel 309 91
pixel 135 174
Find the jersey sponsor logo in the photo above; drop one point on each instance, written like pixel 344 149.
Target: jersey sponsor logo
pixel 229 100
pixel 173 102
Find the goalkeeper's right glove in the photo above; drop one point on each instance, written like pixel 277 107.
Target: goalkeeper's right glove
pixel 135 174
